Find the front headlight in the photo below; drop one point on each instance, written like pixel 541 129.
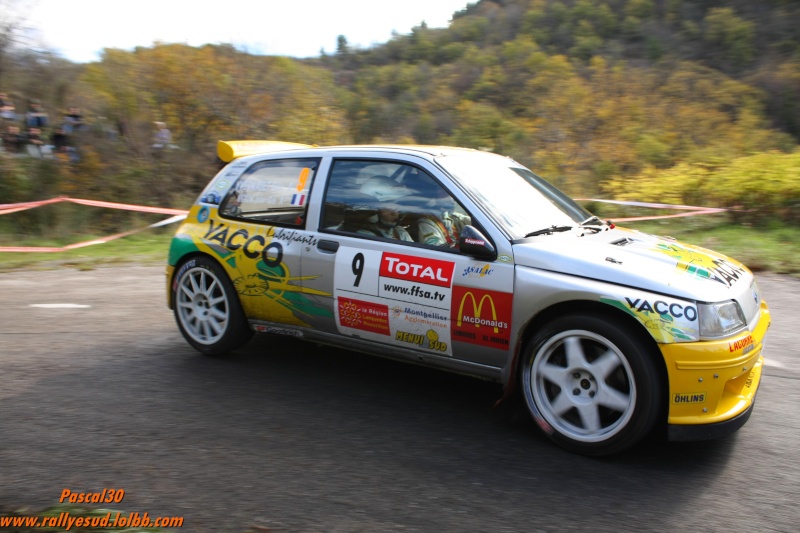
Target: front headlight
pixel 720 319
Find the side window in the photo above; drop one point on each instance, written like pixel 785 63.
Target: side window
pixel 435 216
pixel 275 192
pixel 392 200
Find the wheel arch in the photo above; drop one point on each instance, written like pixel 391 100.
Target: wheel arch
pixel 635 347
pixel 176 271
pixel 211 332
pixel 561 309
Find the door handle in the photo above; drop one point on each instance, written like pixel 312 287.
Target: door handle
pixel 328 246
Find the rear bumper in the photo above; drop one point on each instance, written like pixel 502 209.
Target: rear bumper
pixel 170 270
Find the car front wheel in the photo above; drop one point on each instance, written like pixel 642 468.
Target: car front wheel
pixel 592 386
pixel 207 308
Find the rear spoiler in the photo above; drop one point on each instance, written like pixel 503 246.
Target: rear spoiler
pixel 230 150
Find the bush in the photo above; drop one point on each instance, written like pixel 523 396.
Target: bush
pixel 755 188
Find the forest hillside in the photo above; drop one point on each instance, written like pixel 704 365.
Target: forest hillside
pixel 678 101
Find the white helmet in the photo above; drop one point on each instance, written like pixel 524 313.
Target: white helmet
pixel 384 189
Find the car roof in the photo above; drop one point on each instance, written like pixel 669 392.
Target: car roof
pixel 230 150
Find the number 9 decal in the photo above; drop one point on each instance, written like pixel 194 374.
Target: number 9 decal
pixel 358 267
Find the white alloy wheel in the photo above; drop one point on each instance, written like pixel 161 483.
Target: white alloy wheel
pixel 207 308
pixel 583 386
pixel 591 386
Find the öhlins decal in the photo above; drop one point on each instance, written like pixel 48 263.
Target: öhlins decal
pixel 689 397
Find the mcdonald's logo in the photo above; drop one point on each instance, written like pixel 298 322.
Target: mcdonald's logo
pixel 477 307
pixel 481 316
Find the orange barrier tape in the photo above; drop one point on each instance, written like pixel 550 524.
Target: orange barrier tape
pixel 676 215
pixel 693 210
pixel 5 209
pixel 129 207
pixel 13 208
pixel 180 214
pixel 92 242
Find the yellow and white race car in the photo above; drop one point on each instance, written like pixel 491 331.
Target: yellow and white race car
pixel 469 262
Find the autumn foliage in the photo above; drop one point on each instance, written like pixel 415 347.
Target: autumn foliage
pixel 676 101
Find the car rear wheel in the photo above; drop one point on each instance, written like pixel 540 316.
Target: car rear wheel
pixel 207 308
pixel 593 387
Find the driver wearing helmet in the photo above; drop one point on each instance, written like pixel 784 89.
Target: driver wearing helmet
pixel 385 222
pixel 440 225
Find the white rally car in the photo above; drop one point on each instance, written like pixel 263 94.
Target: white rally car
pixel 469 262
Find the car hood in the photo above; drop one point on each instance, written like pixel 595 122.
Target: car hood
pixel 637 259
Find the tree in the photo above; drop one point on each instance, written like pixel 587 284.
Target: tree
pixel 12 19
pixel 342 47
pixel 730 34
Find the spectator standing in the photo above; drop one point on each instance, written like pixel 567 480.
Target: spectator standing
pixel 7 108
pixel 162 138
pixel 13 140
pixel 73 120
pixel 60 141
pixel 35 143
pixel 36 117
pixel 122 127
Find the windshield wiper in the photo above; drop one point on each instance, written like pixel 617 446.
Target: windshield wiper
pixel 549 231
pixel 593 220
pixel 593 223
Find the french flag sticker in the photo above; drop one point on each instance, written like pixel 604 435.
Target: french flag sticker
pixel 298 199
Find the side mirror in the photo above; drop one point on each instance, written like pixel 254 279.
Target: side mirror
pixel 472 242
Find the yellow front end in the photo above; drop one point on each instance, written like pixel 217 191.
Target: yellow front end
pixel 714 382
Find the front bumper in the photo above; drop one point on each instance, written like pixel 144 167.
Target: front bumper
pixel 713 384
pixel 684 432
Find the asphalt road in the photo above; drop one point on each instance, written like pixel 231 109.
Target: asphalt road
pixel 288 436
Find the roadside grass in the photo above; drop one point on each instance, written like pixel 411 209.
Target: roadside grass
pixel 147 248
pixel 774 248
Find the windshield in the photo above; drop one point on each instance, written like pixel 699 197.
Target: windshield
pixel 516 198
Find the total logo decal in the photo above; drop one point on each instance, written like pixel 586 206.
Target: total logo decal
pixel 417 269
pixel 417 280
pixel 481 316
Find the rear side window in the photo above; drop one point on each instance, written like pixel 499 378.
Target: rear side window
pixel 274 192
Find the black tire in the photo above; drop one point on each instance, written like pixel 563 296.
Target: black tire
pixel 591 385
pixel 207 308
